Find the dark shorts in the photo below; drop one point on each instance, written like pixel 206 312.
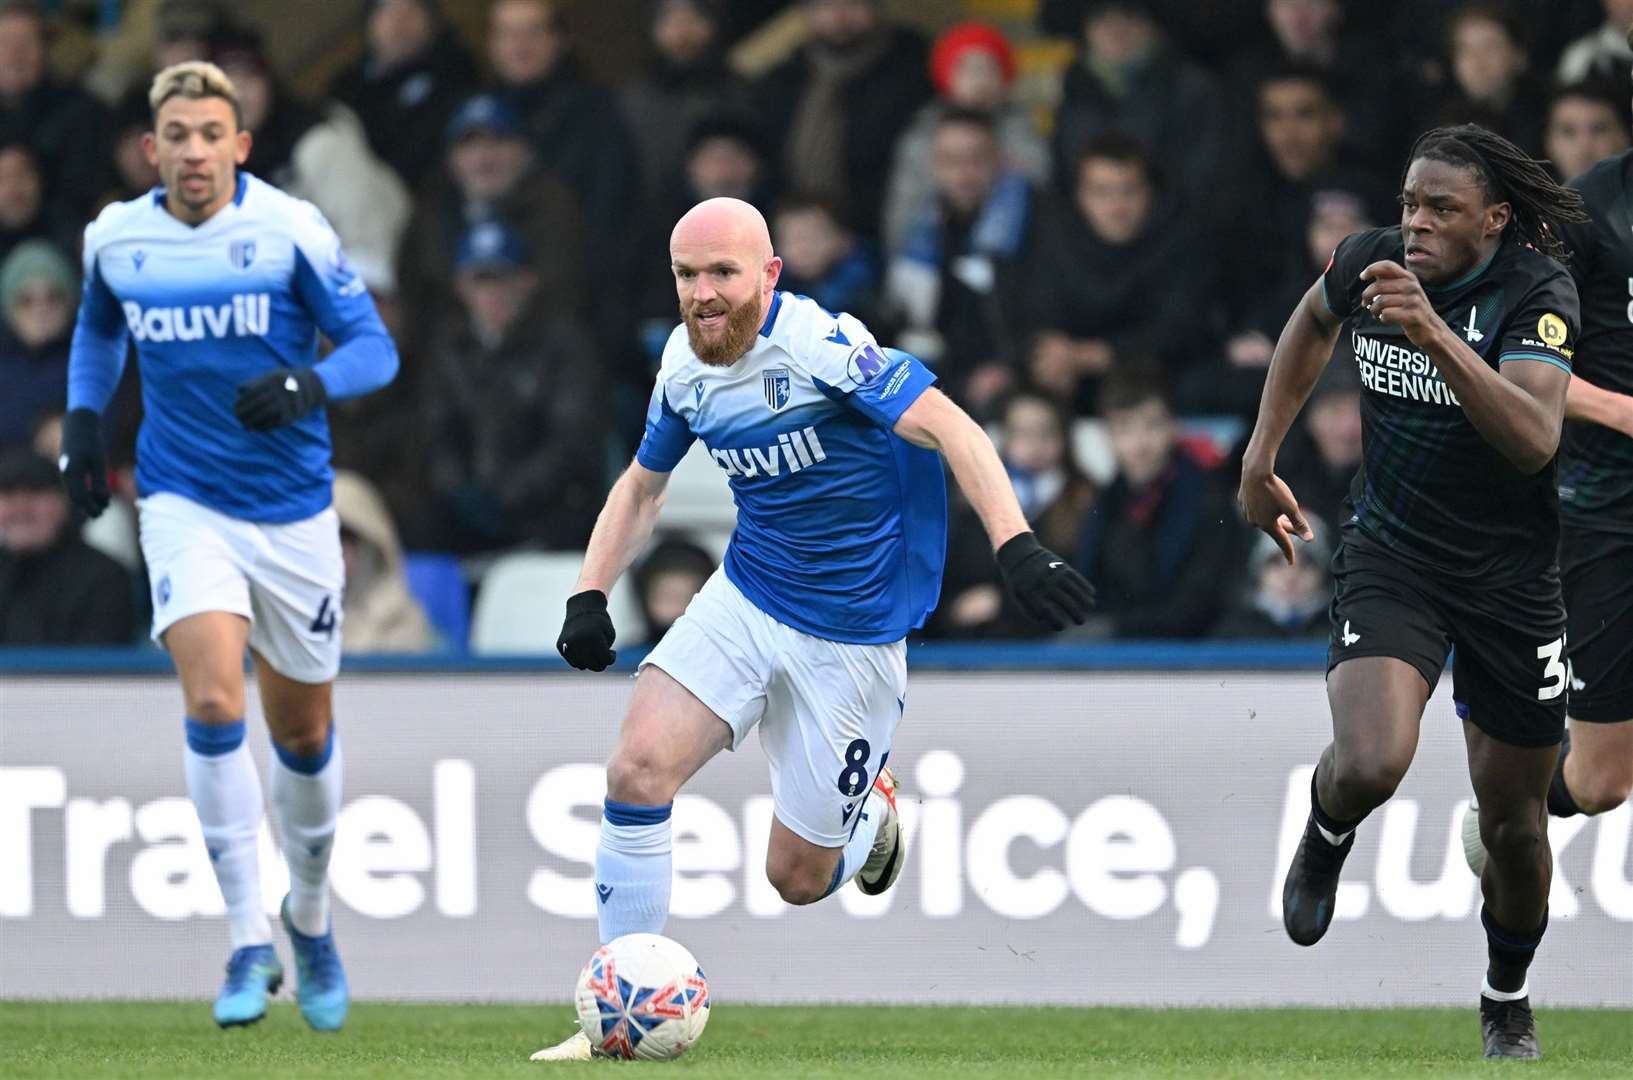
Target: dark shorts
pixel 1597 570
pixel 1508 672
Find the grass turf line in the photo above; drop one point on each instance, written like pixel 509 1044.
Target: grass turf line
pixel 177 1039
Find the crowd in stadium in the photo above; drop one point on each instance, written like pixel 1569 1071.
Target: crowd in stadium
pixel 1101 281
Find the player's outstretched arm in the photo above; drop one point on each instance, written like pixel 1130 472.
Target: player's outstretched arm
pixel 1302 353
pixel 1046 587
pixel 621 531
pixel 1518 410
pixel 1596 405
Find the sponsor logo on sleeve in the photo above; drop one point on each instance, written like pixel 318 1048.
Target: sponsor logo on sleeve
pixel 865 363
pixel 1551 329
pixel 347 283
pixel 898 377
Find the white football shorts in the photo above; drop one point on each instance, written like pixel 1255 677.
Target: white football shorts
pixel 827 710
pixel 285 579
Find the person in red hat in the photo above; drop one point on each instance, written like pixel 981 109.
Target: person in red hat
pixel 972 66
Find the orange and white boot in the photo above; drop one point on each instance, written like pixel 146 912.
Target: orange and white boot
pixel 889 849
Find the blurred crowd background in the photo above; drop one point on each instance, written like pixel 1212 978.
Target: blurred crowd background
pixel 1090 217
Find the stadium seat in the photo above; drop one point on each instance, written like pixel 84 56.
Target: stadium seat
pixel 1091 446
pixel 520 605
pixel 438 583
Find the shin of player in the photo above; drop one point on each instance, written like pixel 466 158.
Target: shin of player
pixel 1462 323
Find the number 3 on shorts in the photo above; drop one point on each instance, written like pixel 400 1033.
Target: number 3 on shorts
pixel 1554 672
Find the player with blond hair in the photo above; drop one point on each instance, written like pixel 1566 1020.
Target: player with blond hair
pixel 224 283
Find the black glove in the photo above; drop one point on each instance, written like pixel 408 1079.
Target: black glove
pixel 278 398
pixel 587 635
pixel 83 465
pixel 1046 587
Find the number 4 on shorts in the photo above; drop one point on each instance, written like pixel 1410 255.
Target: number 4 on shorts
pixel 325 622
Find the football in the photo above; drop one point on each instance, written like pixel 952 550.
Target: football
pixel 642 996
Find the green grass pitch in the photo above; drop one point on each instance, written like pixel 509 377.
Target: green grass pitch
pixel 175 1040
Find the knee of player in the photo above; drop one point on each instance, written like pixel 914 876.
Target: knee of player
pixel 639 779
pixel 1374 779
pixel 304 740
pixel 218 704
pixel 1511 833
pixel 797 882
pixel 1605 787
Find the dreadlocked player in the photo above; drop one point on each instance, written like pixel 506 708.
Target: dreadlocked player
pixel 1462 322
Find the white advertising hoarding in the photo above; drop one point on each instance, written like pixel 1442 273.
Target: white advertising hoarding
pixel 1074 838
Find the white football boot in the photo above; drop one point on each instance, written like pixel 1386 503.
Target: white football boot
pixel 1474 849
pixel 889 849
pixel 576 1048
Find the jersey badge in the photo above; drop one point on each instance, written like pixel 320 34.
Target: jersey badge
pixel 777 388
pixel 1472 332
pixel 837 336
pixel 1551 329
pixel 241 253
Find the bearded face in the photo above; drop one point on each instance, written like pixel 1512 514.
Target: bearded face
pixel 721 332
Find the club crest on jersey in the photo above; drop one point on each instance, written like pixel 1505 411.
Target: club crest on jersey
pixel 241 253
pixel 777 388
pixel 1472 333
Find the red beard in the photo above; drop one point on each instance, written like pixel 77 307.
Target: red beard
pixel 725 346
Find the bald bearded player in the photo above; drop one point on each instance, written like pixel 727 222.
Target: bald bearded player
pixel 830 444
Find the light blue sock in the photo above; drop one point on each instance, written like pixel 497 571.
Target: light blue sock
pixel 856 849
pixel 633 870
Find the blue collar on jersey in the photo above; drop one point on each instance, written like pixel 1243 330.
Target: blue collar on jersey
pixel 237 196
pixel 771 314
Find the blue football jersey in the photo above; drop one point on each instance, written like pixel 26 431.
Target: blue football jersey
pixel 211 307
pixel 841 524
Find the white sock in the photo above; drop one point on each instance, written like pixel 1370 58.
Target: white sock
pixel 860 845
pixel 633 870
pixel 305 803
pixel 226 792
pixel 1335 839
pixel 1487 990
